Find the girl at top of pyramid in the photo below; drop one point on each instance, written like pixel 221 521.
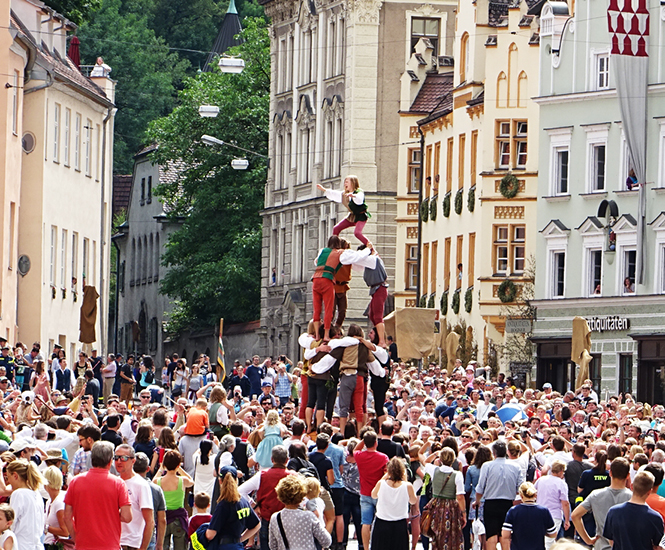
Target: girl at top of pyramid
pixel 353 197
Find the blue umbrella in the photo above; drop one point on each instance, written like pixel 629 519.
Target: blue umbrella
pixel 511 411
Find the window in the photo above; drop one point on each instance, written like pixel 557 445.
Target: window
pixel 63 259
pixel 501 249
pixel 597 171
pixel 458 253
pixel 411 275
pixel 158 257
pixel 12 233
pixel 56 133
pixel 474 156
pixel 75 252
pixel 52 264
pixel 520 143
pixel 509 249
pixel 98 153
pixel 449 164
pixel 433 266
pixel 460 166
pixel 595 370
pixel 472 259
pixel 503 144
pixel 595 274
pixel 446 263
pixel 142 191
pixel 602 71
pixel 332 45
pixel 77 142
pixel 414 170
pixel 629 262
pixel 437 166
pixel 425 28
pixel 425 269
pixel 561 171
pixel 464 58
pixel 558 274
pixel 87 147
pixel 86 254
pixel 626 373
pixel 15 103
pixel 519 237
pixel 149 197
pixel 65 145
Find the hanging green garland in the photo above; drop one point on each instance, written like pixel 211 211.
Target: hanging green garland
pixel 444 303
pixel 471 201
pixel 468 299
pixel 459 200
pixel 507 291
pixel 446 205
pixel 424 210
pixel 430 302
pixel 423 301
pixel 456 302
pixel 433 208
pixel 509 186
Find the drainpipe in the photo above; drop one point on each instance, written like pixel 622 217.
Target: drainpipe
pixel 48 84
pixel 117 295
pixel 420 218
pixel 102 227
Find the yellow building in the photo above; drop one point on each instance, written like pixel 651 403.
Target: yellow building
pixel 475 114
pixel 64 181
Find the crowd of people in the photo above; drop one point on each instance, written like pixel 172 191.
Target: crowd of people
pixel 350 443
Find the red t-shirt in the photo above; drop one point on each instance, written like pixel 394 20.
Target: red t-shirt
pixel 371 467
pixel 96 498
pixel 196 521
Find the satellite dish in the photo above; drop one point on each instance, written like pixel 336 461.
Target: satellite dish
pixel 23 265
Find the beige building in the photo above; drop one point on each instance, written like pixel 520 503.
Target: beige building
pixel 476 114
pixel 65 184
pixel 335 96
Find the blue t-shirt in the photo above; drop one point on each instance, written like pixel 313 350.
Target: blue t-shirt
pixel 336 456
pixel 633 527
pixel 322 464
pixel 232 518
pixel 529 524
pixel 255 374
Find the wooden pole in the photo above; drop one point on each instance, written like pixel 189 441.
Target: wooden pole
pixel 219 368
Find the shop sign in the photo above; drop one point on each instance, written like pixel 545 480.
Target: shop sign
pixel 517 326
pixel 609 323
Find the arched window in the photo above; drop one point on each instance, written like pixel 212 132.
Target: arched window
pixel 139 261
pixel 150 257
pixel 158 257
pixel 501 90
pixel 132 262
pixel 522 90
pixel 512 76
pixel 464 58
pixel 145 258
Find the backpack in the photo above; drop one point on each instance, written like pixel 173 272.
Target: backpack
pixel 149 377
pixel 307 469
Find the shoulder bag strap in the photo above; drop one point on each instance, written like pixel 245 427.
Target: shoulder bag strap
pixel 281 530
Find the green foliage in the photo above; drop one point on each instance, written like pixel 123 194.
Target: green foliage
pixel 214 258
pixel 423 301
pixel 471 200
pixel 444 303
pixel 147 74
pixel 459 201
pixel 509 186
pixel 455 302
pixel 424 210
pixel 433 208
pixel 430 301
pixel 467 349
pixel 468 299
pixel 507 291
pixel 446 205
pixel 74 10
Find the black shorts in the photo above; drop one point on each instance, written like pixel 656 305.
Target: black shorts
pixel 495 515
pixel 337 495
pixel 379 388
pixel 317 394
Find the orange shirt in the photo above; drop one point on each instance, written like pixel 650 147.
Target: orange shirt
pixel 657 504
pixel 197 421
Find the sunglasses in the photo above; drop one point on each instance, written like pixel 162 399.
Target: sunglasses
pixel 466 437
pixel 122 458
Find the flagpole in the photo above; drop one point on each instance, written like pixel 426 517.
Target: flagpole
pixel 221 363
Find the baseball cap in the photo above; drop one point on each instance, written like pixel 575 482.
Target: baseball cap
pixel 464 397
pixel 547 386
pixel 21 444
pixel 469 367
pixel 266 384
pixel 228 470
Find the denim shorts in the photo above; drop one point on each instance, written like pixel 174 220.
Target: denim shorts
pixel 367 510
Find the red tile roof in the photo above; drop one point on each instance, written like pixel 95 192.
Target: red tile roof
pixel 433 94
pixel 122 187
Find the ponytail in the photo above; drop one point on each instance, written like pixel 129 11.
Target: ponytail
pixel 28 472
pixel 228 489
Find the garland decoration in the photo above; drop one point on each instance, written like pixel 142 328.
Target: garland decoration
pixel 459 200
pixel 468 299
pixel 424 210
pixel 433 208
pixel 456 302
pixel 507 291
pixel 471 200
pixel 444 303
pixel 446 205
pixel 509 186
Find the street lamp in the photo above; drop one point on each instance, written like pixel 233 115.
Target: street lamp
pixel 239 163
pixel 231 64
pixel 208 111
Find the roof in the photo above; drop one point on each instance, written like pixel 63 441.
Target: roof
pixel 226 37
pixel 478 100
pixel 556 223
pixel 436 89
pixel 63 67
pixel 122 187
pixel 497 12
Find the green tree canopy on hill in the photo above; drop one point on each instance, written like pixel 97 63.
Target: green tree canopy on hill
pixel 214 258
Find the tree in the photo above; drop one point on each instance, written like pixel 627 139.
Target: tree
pixel 147 73
pixel 74 10
pixel 214 258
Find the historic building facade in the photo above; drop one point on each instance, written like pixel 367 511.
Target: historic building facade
pixel 336 68
pixel 477 120
pixel 60 236
pixel 587 240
